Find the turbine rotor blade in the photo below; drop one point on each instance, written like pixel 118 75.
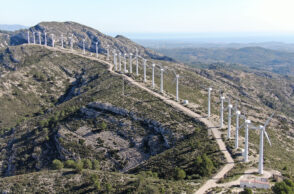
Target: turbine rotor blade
pixel 268 120
pixel 266 135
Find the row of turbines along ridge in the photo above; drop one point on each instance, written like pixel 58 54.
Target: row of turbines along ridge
pixel 121 60
pixel 231 110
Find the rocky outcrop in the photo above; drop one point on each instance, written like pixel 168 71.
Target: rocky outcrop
pixel 166 134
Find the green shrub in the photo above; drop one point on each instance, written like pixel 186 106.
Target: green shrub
pixel 108 188
pixel 180 174
pixel 87 164
pixel 57 164
pixel 81 141
pixel 103 125
pixel 70 164
pixel 247 191
pixel 95 181
pixel 284 187
pixel 79 166
pixel 204 165
pixel 95 165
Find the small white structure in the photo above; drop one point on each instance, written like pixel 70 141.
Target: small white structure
pixel 259 183
pixel 153 66
pixel 186 102
pixel 45 38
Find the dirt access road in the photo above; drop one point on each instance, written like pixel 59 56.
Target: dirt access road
pixel 216 133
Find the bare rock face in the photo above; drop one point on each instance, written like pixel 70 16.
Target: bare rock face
pixel 127 141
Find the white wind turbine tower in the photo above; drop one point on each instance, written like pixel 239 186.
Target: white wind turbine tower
pixel 61 40
pixel 131 61
pixel 230 106
pixel 222 98
pixel 34 37
pixel 177 76
pixel 247 125
pixel 177 87
pixel 238 113
pixel 161 79
pixel 28 37
pixel 39 38
pixel 208 101
pixel 125 62
pixel 45 37
pixel 262 133
pixel 119 61
pixel 153 67
pixel 137 62
pixel 144 69
pixel 84 52
pixel 97 49
pixel 52 37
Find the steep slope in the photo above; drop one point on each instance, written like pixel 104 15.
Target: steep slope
pixel 92 117
pixel 80 32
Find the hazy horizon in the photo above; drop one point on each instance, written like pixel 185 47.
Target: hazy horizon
pixel 134 18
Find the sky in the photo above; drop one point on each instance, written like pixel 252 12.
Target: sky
pixel 158 17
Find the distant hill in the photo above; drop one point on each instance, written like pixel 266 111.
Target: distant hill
pixel 80 32
pixel 11 27
pixel 253 57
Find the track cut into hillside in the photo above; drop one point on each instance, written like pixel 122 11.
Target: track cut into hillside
pixel 216 133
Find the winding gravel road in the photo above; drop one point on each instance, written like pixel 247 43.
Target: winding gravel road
pixel 215 130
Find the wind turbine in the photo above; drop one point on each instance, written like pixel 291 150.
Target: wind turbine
pixel 177 76
pixel 84 52
pixel 52 36
pixel 39 38
pixel 61 40
pixel 125 62
pixel 161 79
pixel 28 37
pixel 119 61
pixel 238 113
pixel 208 101
pixel 247 124
pixel 262 133
pixel 97 49
pixel 222 98
pixel 45 37
pixel 34 37
pixel 144 69
pixel 131 60
pixel 137 63
pixel 230 106
pixel 177 87
pixel 153 67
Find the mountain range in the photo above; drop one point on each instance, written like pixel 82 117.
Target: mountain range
pixel 71 124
